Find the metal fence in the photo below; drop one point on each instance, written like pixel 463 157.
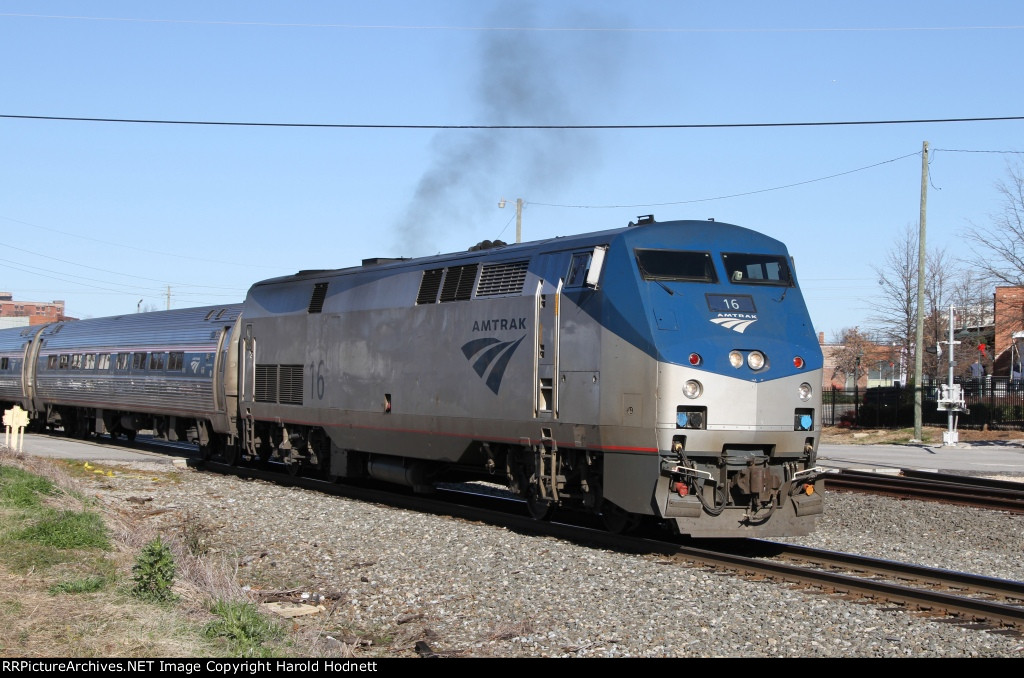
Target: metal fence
pixel 995 402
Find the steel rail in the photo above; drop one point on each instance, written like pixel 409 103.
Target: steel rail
pixel 970 610
pixel 951 579
pixel 963 492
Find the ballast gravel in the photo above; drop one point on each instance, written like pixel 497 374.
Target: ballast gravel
pixel 463 589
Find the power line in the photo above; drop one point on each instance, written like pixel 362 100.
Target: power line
pixel 316 125
pixel 734 195
pixel 219 262
pixel 532 29
pixel 963 150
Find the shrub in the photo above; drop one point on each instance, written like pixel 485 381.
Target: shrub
pixel 153 573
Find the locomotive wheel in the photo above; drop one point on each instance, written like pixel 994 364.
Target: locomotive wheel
pixel 229 453
pixel 618 520
pixel 539 508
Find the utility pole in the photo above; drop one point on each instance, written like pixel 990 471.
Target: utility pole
pixel 519 217
pixel 919 334
pixel 168 297
pixel 519 220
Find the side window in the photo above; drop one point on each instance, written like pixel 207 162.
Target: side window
pixel 103 362
pixel 578 268
pixel 51 362
pixel 156 361
pixel 90 361
pixel 175 361
pixel 76 361
pixel 139 360
pixel 63 361
pixel 124 361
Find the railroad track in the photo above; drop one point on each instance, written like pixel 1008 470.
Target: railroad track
pixel 970 600
pixel 1000 495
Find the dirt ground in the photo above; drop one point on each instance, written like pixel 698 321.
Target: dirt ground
pixel 866 436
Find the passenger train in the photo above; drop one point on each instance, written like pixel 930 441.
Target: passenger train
pixel 665 371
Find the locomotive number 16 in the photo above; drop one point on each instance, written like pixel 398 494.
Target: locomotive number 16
pixel 316 380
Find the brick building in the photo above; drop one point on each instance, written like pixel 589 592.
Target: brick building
pixel 1009 320
pixel 37 312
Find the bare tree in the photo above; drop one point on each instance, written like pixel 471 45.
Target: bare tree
pixel 849 357
pixel 998 247
pixel 895 313
pixel 972 297
pixel 941 280
pixel 895 317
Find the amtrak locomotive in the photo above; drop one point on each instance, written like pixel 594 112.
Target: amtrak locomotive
pixel 662 370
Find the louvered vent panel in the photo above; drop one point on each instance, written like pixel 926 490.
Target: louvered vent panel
pixel 458 283
pixel 429 286
pixel 290 385
pixel 316 301
pixel 265 386
pixel 499 279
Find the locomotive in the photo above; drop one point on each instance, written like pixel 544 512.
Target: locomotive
pixel 665 371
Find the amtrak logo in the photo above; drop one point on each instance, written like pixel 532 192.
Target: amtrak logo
pixel 490 356
pixel 737 322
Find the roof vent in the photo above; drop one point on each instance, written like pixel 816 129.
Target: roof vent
pixel 643 219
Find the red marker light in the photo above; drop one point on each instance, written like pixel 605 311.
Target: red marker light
pixel 798 362
pixel 695 359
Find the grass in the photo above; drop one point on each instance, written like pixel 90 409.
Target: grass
pixel 59 566
pixel 244 628
pixel 66 578
pixel 90 584
pixel 21 489
pixel 65 530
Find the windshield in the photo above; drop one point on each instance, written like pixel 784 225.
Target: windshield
pixel 757 269
pixel 676 265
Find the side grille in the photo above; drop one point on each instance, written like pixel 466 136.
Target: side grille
pixel 265 386
pixel 316 301
pixel 278 384
pixel 429 286
pixel 458 283
pixel 499 279
pixel 290 385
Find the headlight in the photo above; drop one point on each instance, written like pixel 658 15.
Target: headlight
pixel 755 359
pixel 735 358
pixel 692 389
pixel 805 391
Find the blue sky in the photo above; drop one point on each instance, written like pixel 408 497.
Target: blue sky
pixel 102 215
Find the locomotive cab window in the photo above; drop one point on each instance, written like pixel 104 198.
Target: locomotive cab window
pixel 676 265
pixel 585 268
pixel 757 269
